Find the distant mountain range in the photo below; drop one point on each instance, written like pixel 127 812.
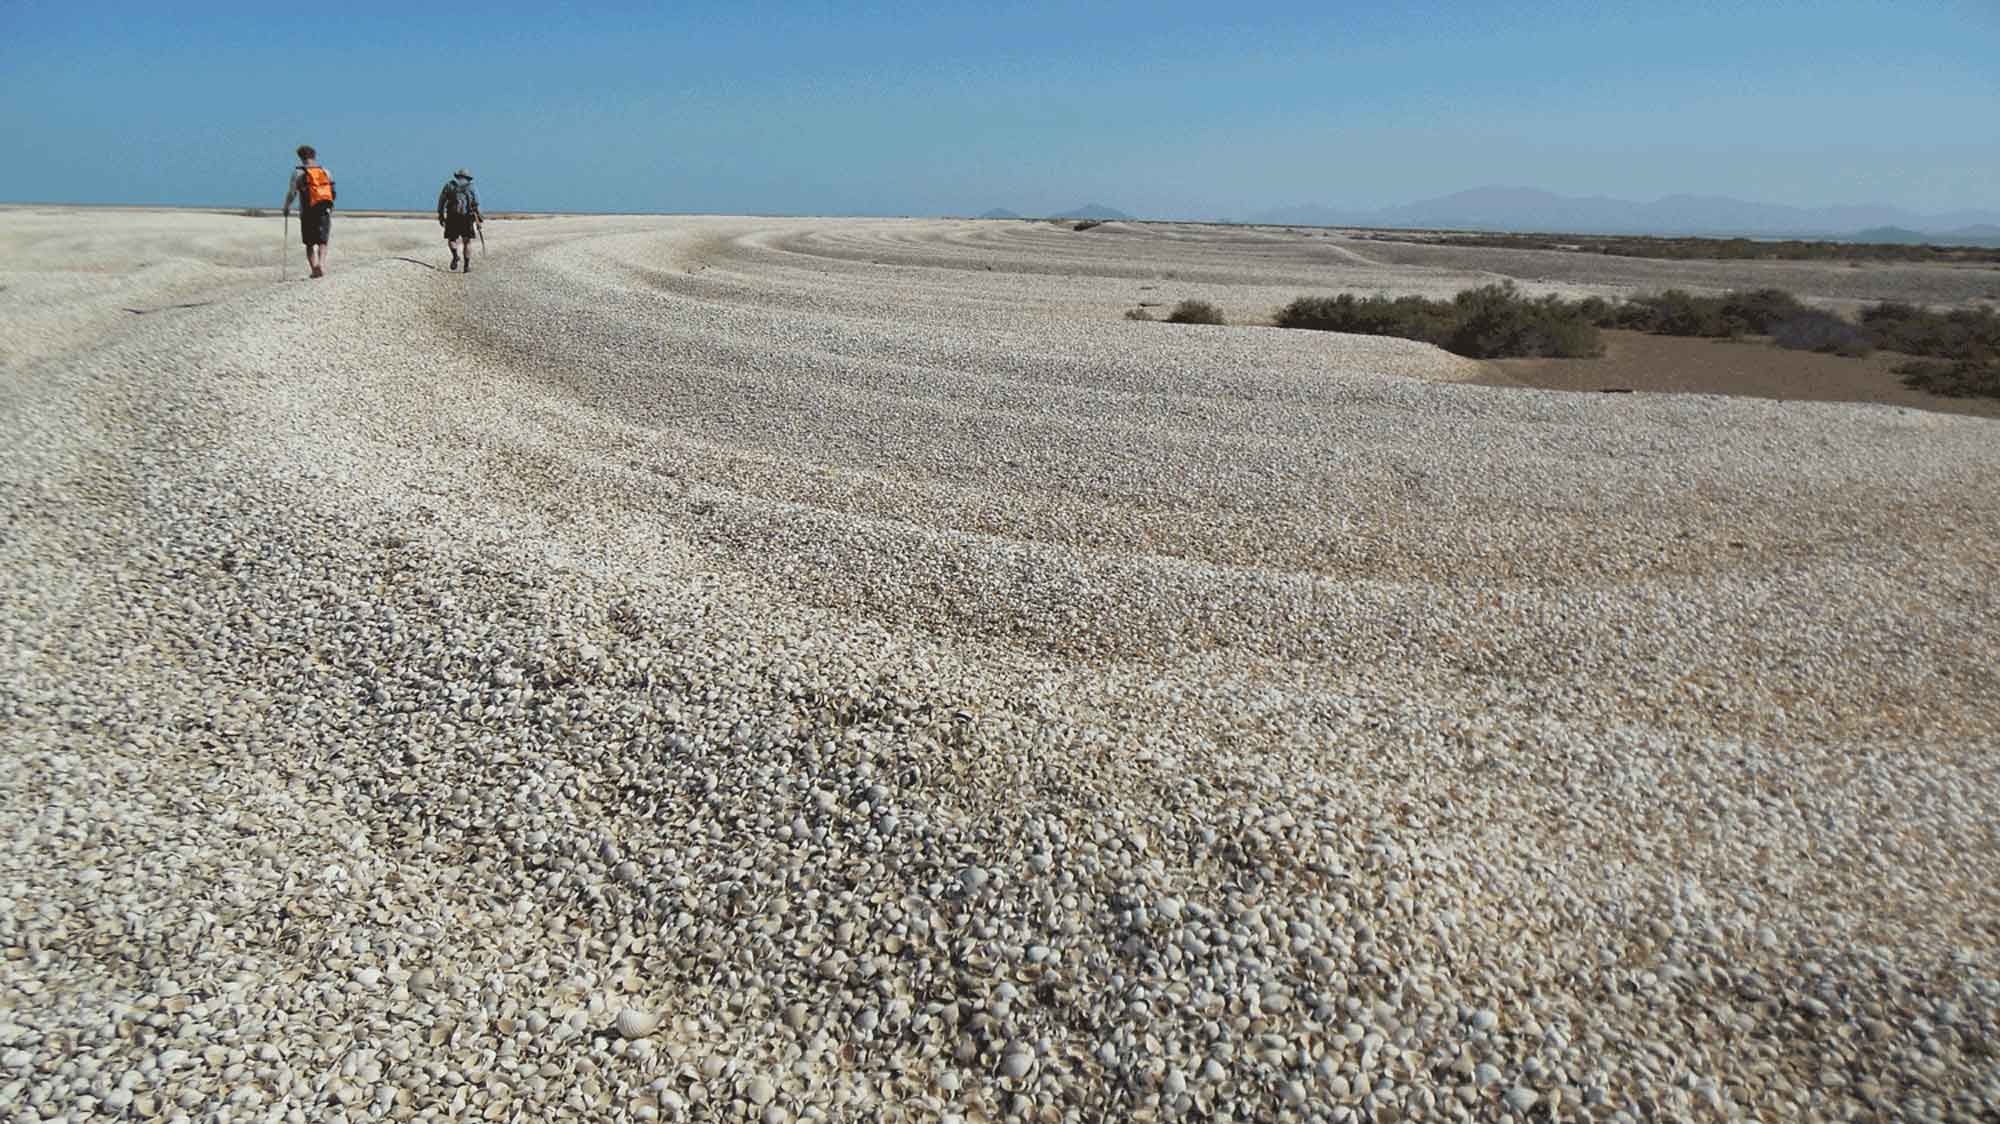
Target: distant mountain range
pixel 1533 210
pixel 1087 211
pixel 1983 234
pixel 1093 211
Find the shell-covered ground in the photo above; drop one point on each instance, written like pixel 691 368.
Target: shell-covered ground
pixel 777 669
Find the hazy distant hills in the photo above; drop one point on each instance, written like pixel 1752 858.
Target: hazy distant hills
pixel 1528 209
pixel 1088 211
pixel 1094 211
pixel 1531 209
pixel 1981 235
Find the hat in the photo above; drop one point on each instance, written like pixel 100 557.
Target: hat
pixel 461 174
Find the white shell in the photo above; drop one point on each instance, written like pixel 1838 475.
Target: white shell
pixel 634 1023
pixel 1017 1064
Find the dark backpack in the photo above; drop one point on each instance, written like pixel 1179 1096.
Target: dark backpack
pixel 459 198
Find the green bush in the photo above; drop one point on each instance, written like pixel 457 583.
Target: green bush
pixel 1888 312
pixel 1970 334
pixel 1195 312
pixel 1757 311
pixel 1601 312
pixel 1633 315
pixel 1678 312
pixel 1496 320
pixel 1963 378
pixel 1410 318
pixel 1489 322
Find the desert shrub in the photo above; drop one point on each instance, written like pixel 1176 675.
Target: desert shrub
pixel 1497 320
pixel 1971 334
pixel 1410 318
pixel 1814 329
pixel 1138 314
pixel 253 212
pixel 1570 339
pixel 1488 322
pixel 1633 315
pixel 1963 378
pixel 1088 224
pixel 1195 312
pixel 1678 312
pixel 1759 310
pixel 1604 313
pixel 1889 311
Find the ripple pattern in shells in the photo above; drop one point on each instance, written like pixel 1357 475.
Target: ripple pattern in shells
pixel 829 669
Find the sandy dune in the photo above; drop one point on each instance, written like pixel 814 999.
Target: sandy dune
pixel 925 692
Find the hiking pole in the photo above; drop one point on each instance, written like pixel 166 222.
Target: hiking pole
pixel 480 226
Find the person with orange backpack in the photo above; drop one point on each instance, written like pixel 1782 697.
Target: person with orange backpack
pixel 314 188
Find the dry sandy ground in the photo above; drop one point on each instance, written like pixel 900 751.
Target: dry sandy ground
pixel 911 690
pixel 1643 363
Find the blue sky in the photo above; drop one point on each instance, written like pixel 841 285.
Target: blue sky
pixel 1164 109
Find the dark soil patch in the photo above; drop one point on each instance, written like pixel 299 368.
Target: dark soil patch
pixel 1750 368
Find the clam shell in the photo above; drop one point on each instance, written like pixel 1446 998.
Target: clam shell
pixel 635 1023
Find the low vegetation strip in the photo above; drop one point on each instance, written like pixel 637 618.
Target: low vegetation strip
pixel 1971 334
pixel 1751 312
pixel 1964 378
pixel 1677 312
pixel 1499 321
pixel 1484 323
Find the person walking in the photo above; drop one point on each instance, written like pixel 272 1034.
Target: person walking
pixel 314 188
pixel 458 213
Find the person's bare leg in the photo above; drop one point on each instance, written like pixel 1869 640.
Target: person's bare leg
pixel 468 254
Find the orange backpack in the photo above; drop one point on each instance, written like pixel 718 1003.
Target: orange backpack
pixel 318 186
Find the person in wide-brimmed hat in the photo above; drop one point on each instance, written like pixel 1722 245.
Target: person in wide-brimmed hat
pixel 458 213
